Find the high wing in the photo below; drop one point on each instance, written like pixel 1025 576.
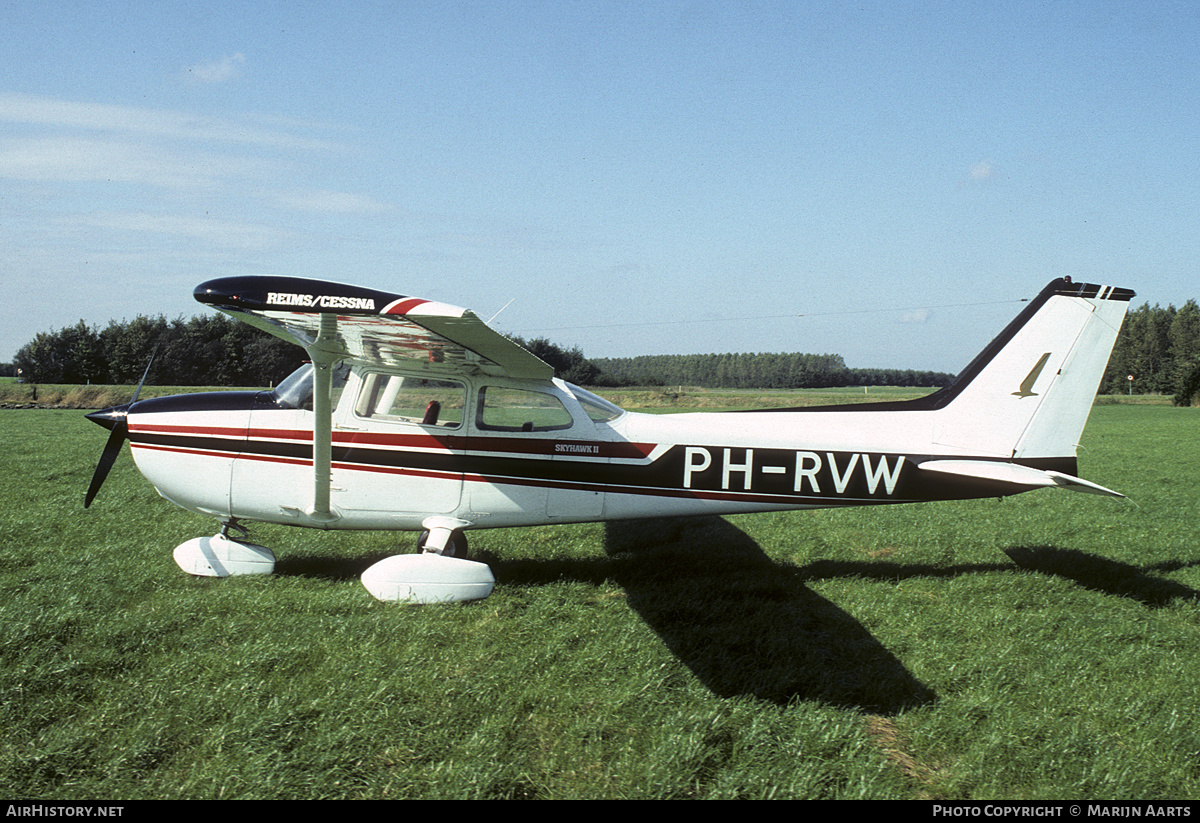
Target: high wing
pixel 365 326
pixel 351 324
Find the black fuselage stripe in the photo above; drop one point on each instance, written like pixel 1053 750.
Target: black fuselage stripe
pixel 664 476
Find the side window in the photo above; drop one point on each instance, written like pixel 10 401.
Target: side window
pixel 401 399
pixel 518 410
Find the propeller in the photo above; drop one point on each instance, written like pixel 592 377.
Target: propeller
pixel 115 418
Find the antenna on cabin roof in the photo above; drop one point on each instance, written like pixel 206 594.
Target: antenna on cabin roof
pixel 502 308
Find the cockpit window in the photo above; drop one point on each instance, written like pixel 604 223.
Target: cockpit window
pixel 296 391
pixel 597 408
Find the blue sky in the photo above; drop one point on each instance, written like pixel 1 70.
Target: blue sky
pixel 882 180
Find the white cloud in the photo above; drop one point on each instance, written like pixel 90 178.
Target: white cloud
pixel 91 178
pixel 89 160
pixel 981 170
pixel 329 202
pixel 101 160
pixel 45 111
pixel 914 316
pixel 210 230
pixel 227 68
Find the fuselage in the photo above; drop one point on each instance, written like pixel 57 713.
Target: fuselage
pixel 494 452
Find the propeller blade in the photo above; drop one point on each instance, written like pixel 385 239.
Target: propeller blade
pixel 145 374
pixel 112 448
pixel 116 419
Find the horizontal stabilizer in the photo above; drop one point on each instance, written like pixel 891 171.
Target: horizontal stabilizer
pixel 1015 474
pixel 1078 484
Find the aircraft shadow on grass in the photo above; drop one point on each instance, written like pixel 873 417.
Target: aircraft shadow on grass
pixel 742 623
pixel 1106 576
pixel 745 624
pixel 1098 574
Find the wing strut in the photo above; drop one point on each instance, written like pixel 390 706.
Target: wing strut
pixel 325 353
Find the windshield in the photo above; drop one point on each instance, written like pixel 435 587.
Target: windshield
pixel 597 408
pixel 296 391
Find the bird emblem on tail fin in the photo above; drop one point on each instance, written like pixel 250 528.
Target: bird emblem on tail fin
pixel 1026 389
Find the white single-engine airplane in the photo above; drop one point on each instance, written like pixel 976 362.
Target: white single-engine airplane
pixel 416 415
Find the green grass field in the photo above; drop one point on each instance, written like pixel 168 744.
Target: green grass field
pixel 1043 646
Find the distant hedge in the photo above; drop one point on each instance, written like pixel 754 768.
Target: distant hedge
pixel 207 350
pixel 756 371
pixel 1159 347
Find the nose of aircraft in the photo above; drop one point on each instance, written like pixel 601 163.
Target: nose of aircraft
pixel 110 417
pixel 116 420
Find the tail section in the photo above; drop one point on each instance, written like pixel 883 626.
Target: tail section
pixel 1027 396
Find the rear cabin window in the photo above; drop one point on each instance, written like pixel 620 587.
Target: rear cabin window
pixel 418 400
pixel 597 408
pixel 519 410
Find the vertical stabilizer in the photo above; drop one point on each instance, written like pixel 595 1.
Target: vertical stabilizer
pixel 1028 394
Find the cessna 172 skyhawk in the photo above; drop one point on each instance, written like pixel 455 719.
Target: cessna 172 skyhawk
pixel 416 415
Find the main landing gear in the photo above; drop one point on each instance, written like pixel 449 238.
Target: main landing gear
pixel 456 545
pixel 438 573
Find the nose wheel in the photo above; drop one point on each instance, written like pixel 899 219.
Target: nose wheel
pixel 222 555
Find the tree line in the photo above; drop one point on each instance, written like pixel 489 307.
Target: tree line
pixel 215 350
pixel 756 371
pixel 206 350
pixel 1159 347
